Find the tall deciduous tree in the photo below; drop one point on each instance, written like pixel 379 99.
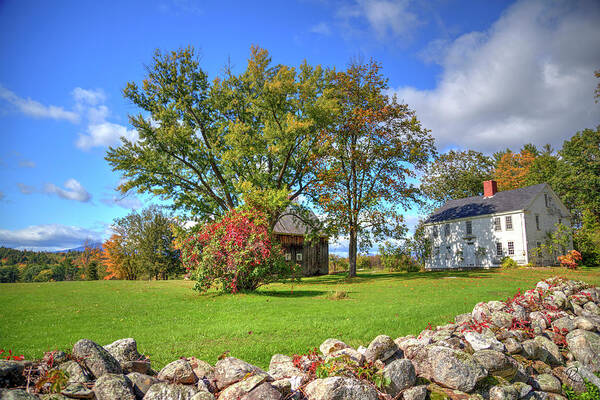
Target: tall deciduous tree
pixel 511 172
pixel 456 174
pixel 375 147
pixel 201 143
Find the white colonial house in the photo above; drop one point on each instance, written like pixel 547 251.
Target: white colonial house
pixel 479 231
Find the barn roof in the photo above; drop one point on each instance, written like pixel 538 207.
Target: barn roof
pixel 290 224
pixel 505 201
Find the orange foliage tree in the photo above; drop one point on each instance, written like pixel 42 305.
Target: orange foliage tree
pixel 87 262
pixel 511 172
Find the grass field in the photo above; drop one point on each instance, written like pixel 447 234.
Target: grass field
pixel 169 320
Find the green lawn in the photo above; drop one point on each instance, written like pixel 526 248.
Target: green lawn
pixel 169 320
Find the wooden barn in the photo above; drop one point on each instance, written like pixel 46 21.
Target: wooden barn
pixel 313 256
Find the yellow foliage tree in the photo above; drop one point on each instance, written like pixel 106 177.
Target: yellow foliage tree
pixel 511 172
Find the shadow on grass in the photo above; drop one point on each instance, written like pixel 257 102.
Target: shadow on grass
pixel 372 276
pixel 290 293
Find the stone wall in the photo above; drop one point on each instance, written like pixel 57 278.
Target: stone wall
pixel 527 347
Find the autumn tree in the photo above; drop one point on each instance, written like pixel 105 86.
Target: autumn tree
pixel 454 175
pixel 373 150
pixel 202 143
pixel 120 262
pixel 511 172
pixel 87 262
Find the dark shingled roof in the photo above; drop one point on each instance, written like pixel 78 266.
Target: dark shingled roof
pixel 290 224
pixel 508 200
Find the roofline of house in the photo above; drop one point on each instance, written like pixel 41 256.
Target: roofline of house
pixel 475 216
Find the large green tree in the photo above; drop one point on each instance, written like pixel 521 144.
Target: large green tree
pixel 454 175
pixel 202 144
pixel 146 241
pixel 374 149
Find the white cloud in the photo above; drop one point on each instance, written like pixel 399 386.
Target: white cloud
pixel 73 191
pixel 26 164
pixel 388 19
pixel 26 189
pixel 529 78
pixel 321 28
pixel 128 202
pixel 91 97
pixel 35 109
pixel 48 237
pixel 105 134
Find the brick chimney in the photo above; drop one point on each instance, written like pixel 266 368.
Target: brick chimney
pixel 490 188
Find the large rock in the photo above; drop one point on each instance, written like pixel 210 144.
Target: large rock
pixel 503 392
pixel 124 350
pixel 16 394
pixel 75 372
pixel 585 346
pixel 11 373
pixel 448 367
pixel 481 312
pixel 497 363
pixel 565 323
pixel 96 358
pixel 178 371
pixel 339 388
pixel 401 374
pixel 547 383
pixel 263 391
pixel 282 366
pixel 201 368
pixel 552 356
pixel 501 319
pixel 141 383
pixel 231 370
pixel 241 388
pixel 415 393
pixel 203 395
pixel 483 341
pixel 381 348
pixel 113 387
pixel 78 391
pixel 331 345
pixel 349 353
pixel 166 391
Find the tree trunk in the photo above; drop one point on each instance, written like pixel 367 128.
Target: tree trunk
pixel 352 250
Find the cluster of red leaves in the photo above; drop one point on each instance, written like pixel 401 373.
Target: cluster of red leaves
pixel 522 325
pixel 10 355
pixel 475 326
pixel 559 337
pixel 308 362
pixel 570 260
pixel 236 251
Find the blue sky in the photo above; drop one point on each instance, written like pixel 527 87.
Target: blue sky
pixel 481 75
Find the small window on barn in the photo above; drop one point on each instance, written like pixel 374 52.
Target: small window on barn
pixel 436 251
pixel 546 199
pixel 498 249
pixel 537 222
pixel 497 224
pixel 508 222
pixel 469 226
pixel 288 256
pixel 560 221
pixel 435 231
pixel 447 230
pixel 298 256
pixel 511 248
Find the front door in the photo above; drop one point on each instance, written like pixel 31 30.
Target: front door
pixel 470 254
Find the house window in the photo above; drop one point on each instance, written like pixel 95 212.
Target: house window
pixel 288 256
pixel 469 225
pixel 436 251
pixel 448 252
pixel 298 256
pixel 447 230
pixel 497 224
pixel 498 249
pixel 435 231
pixel 546 199
pixel 560 221
pixel 508 222
pixel 537 222
pixel 511 248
